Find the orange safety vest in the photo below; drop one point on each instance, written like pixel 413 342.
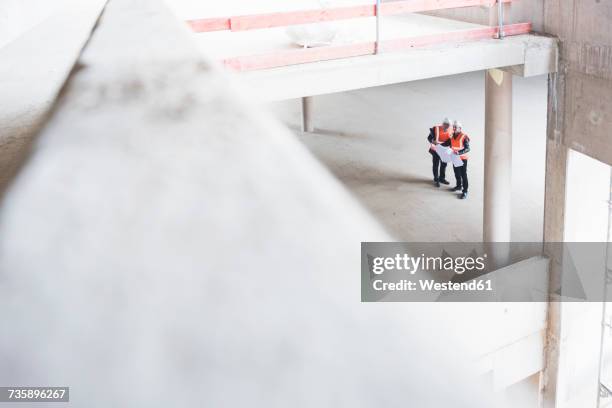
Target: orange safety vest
pixel 457 143
pixel 441 135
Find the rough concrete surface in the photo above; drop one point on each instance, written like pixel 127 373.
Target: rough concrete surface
pixel 374 141
pixel 580 116
pixel 33 67
pixel 168 245
pixel 525 55
pixel 585 84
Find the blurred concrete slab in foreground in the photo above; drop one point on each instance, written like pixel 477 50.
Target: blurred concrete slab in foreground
pixel 166 244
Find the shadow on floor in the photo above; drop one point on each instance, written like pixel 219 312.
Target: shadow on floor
pixel 328 132
pixel 372 175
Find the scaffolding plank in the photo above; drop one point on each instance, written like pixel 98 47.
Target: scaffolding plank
pixel 209 24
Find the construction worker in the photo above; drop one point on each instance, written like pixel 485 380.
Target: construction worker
pixel 460 143
pixel 439 135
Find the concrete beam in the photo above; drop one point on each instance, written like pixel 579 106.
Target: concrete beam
pixel 33 69
pixel 384 69
pixel 538 61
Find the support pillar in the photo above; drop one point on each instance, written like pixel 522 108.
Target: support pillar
pixel 498 156
pixel 554 229
pixel 307 125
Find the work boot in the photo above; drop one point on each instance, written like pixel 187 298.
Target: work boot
pixel 456 188
pixel 444 181
pixel 463 196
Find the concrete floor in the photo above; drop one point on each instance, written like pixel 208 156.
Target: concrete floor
pixel 224 44
pixel 373 140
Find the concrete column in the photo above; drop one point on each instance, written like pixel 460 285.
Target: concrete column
pixel 498 156
pixel 554 231
pixel 307 125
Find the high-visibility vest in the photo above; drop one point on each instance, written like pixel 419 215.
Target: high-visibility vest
pixel 441 135
pixel 457 143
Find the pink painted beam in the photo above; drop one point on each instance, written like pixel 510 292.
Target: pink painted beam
pixel 258 21
pixel 209 24
pixel 302 56
pixel 453 36
pixel 255 21
pixel 516 29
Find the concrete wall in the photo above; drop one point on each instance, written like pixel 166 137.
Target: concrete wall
pixel 579 118
pixel 583 88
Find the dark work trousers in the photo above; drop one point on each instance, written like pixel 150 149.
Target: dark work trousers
pixel 438 164
pixel 461 176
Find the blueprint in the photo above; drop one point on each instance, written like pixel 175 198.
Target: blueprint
pixel 447 156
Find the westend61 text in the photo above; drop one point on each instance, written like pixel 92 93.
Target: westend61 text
pixel 432 285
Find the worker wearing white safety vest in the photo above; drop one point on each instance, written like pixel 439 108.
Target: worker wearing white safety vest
pixel 439 135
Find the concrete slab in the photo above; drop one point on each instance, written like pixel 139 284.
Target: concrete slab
pixel 224 44
pixel 33 69
pixel 389 68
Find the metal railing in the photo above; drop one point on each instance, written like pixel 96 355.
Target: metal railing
pixel 378 9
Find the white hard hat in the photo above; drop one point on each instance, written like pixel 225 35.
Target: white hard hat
pixel 446 121
pixel 457 124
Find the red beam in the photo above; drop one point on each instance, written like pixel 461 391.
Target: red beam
pixel 454 36
pixel 209 24
pixel 258 21
pixel 302 56
pixel 516 29
pixel 251 22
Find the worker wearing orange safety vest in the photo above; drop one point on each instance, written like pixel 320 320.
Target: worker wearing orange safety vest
pixel 439 135
pixel 460 143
